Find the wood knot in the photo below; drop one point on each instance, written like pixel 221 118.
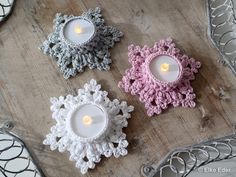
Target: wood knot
pixel 221 93
pixel 206 119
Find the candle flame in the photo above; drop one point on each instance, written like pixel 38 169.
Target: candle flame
pixel 165 67
pixel 87 120
pixel 78 30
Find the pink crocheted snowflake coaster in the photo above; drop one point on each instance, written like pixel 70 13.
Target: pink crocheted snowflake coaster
pixel 160 76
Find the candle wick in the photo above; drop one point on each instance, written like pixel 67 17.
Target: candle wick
pixel 165 67
pixel 87 120
pixel 78 30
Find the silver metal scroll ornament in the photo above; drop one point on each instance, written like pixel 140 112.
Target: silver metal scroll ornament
pixel 183 162
pixel 15 158
pixel 222 30
pixel 5 8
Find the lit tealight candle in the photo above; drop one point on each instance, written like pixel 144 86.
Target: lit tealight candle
pixel 78 31
pixel 87 120
pixel 165 68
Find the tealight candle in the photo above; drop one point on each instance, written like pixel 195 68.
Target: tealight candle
pixel 165 68
pixel 158 76
pixel 78 31
pixel 88 121
pixel 89 125
pixel 80 37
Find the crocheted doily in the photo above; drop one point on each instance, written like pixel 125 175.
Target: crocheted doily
pixel 94 54
pixel 87 153
pixel 157 95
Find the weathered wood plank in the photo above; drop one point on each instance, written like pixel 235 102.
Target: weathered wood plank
pixel 28 79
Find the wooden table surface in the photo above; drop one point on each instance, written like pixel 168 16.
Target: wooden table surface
pixel 28 78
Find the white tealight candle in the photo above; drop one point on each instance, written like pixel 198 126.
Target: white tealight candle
pixel 78 31
pixel 165 68
pixel 88 121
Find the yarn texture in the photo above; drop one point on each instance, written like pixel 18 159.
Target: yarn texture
pixel 88 152
pixel 94 54
pixel 156 95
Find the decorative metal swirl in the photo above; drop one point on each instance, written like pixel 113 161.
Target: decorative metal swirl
pixel 222 29
pixel 182 162
pixel 5 8
pixel 15 159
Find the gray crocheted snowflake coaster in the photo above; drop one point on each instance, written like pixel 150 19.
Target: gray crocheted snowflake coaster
pixel 73 58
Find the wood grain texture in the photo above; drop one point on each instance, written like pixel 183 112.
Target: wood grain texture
pixel 28 79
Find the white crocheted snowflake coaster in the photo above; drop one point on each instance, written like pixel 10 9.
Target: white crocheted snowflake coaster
pixel 73 132
pixel 74 56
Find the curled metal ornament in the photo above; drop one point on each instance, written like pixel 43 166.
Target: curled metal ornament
pixel 181 162
pixel 15 158
pixel 222 30
pixel 5 8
